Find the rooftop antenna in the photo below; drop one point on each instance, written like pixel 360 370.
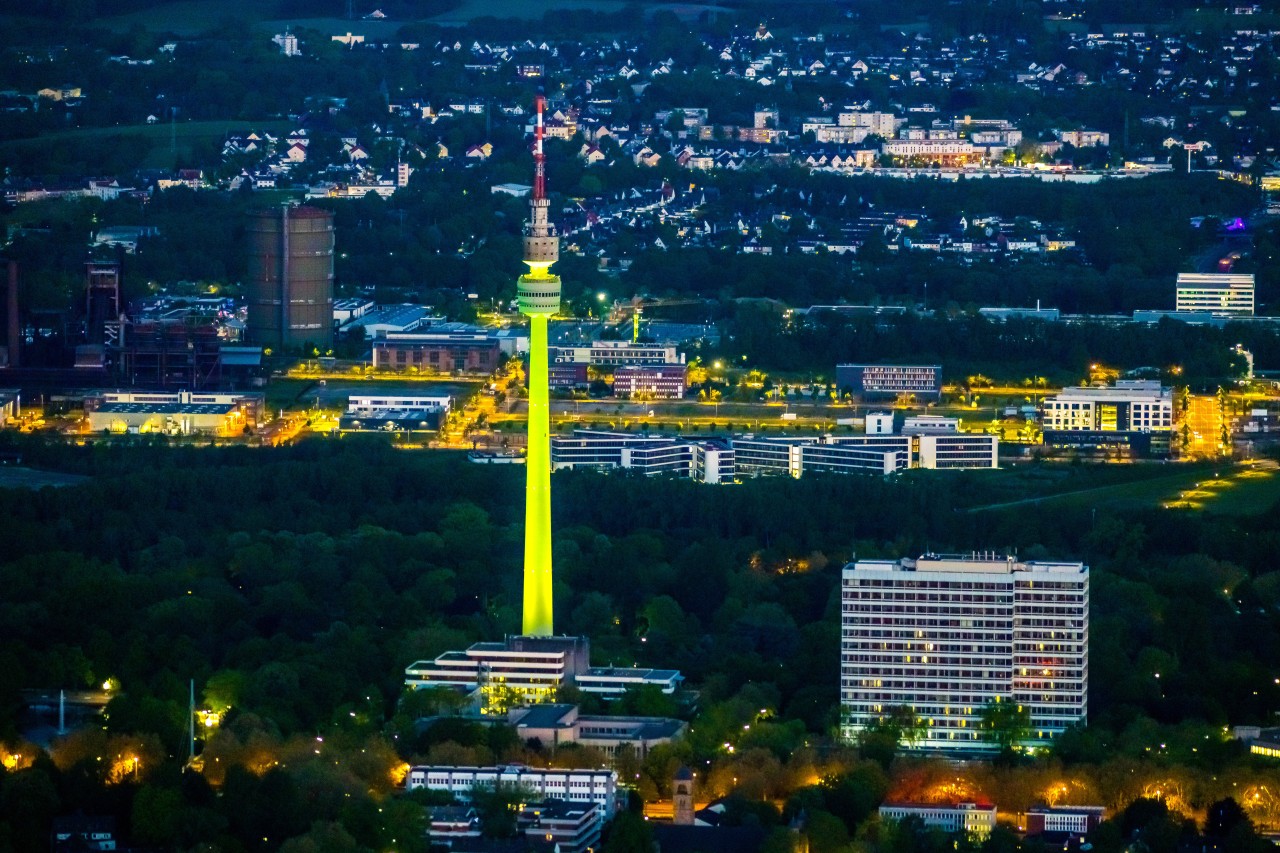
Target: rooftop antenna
pixel 539 158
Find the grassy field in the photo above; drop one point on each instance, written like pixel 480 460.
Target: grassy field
pixel 1222 488
pixel 167 145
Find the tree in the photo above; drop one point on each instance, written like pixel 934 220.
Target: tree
pixel 498 807
pixel 1006 725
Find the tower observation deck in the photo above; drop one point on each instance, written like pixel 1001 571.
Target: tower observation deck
pixel 539 298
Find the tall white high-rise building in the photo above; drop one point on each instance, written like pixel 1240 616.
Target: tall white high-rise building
pixel 948 635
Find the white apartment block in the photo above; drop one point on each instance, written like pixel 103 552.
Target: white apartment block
pixel 952 148
pixel 881 124
pixel 970 818
pixel 948 635
pixel 597 787
pixel 1128 406
pixel 1228 294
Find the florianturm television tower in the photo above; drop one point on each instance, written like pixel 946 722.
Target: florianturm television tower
pixel 539 296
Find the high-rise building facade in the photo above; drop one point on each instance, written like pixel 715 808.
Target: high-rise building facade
pixel 539 298
pixel 1228 294
pixel 948 635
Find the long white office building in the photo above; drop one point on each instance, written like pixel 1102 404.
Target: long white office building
pixel 948 635
pixel 597 787
pixel 1222 294
pixel 705 460
pixel 718 460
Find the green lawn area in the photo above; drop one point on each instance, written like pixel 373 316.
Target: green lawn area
pixel 165 143
pixel 1221 488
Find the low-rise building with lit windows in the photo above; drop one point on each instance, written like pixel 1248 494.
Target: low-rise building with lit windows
pixel 595 787
pixel 521 670
pixel 971 818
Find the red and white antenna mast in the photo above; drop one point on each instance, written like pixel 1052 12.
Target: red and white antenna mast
pixel 539 158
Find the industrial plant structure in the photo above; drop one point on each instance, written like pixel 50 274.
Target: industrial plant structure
pixel 290 279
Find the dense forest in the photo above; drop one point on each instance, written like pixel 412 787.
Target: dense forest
pixel 294 585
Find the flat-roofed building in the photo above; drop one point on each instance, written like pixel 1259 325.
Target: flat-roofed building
pixel 1128 406
pixel 1228 294
pixel 378 320
pixel 616 354
pixel 971 818
pixel 705 460
pixel 881 381
pixel 965 451
pixel 366 403
pixel 650 381
pixel 562 826
pixel 530 671
pixel 946 636
pixel 595 787
pixel 444 352
pixel 1073 820
pixel 184 412
pixel 554 725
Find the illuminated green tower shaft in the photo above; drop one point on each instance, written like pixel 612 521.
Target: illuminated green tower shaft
pixel 539 297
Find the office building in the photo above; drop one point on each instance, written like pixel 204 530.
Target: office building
pixel 556 725
pixel 1133 413
pixel 721 460
pixel 970 818
pixel 650 381
pixel 562 826
pixel 616 354
pixel 395 413
pixel 1072 820
pixel 445 352
pixel 889 381
pixel 528 670
pixel 705 460
pixel 956 451
pixel 1228 294
pixel 598 788
pixel 1128 406
pixel 948 635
